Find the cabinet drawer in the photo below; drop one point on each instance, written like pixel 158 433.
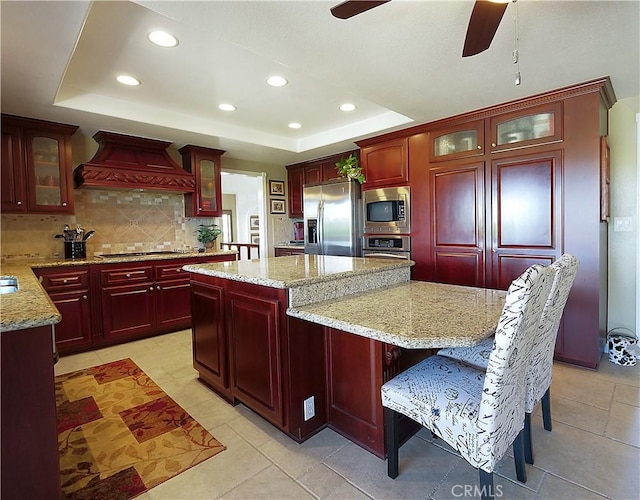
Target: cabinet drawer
pixel 57 280
pixel 171 271
pixel 126 275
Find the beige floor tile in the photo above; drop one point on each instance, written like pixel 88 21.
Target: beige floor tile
pixel 215 412
pixel 347 491
pixel 269 484
pixel 67 364
pixel 627 394
pixel 421 467
pixel 507 468
pixel 594 462
pixel 322 482
pixel 575 413
pixel 578 384
pixel 624 424
pixel 556 488
pixel 629 375
pixel 252 427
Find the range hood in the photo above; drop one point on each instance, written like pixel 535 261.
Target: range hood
pixel 128 162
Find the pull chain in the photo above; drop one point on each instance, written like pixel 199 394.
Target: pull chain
pixel 516 44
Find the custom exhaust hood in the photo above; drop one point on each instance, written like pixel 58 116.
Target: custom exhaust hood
pixel 128 162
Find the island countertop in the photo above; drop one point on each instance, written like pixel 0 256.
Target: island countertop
pixel 414 315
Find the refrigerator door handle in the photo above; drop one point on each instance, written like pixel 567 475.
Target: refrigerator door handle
pixel 321 227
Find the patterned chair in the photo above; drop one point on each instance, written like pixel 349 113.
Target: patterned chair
pixel 480 414
pixel 541 366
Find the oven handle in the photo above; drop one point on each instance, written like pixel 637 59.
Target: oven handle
pixel 388 255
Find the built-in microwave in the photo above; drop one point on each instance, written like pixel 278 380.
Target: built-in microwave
pixel 387 210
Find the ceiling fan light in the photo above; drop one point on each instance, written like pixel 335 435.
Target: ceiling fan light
pixel 295 125
pixel 277 81
pixel 128 80
pixel 162 38
pixel 227 107
pixel 347 106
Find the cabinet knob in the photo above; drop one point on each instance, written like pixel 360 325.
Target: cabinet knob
pixel 493 144
pixel 158 287
pixel 479 147
pixel 151 288
pixel 18 203
pixel 179 269
pixel 64 203
pixel 85 297
pixel 128 275
pixel 64 281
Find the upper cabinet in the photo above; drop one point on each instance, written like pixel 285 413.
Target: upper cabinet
pixel 458 141
pixel 36 166
pixel 385 163
pixel 204 164
pixel 526 127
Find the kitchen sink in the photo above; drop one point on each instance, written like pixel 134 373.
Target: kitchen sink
pixel 8 284
pixel 137 254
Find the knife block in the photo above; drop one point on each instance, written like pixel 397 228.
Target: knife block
pixel 75 249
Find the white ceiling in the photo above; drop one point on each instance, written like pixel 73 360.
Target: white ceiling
pixel 400 63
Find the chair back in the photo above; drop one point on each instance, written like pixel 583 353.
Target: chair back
pixel 541 366
pixel 502 408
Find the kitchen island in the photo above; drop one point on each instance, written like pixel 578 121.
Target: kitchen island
pixel 306 341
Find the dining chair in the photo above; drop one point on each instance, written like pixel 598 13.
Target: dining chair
pixel 541 366
pixel 479 413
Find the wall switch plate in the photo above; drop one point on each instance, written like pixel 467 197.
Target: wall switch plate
pixel 309 405
pixel 622 224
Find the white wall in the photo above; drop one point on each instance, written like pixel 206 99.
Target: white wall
pixel 623 246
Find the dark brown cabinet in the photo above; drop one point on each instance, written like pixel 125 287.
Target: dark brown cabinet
pixel 457 141
pixel 385 163
pixel 36 166
pixel 285 252
pixel 69 290
pixel 535 126
pixel 204 164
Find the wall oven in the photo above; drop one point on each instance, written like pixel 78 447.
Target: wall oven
pixel 387 247
pixel 387 210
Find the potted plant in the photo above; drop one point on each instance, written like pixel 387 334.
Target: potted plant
pixel 207 234
pixel 350 168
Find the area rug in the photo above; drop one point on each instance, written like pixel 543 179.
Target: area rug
pixel 119 434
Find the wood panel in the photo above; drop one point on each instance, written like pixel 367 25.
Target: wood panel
pixel 386 164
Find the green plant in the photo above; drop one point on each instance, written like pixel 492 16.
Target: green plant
pixel 206 233
pixel 350 167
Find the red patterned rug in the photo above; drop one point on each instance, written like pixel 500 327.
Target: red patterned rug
pixel 119 434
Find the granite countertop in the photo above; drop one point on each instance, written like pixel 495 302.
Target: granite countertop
pixel 414 315
pixel 31 307
pixel 296 270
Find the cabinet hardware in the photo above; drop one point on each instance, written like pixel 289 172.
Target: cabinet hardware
pixel 128 275
pixel 85 297
pixel 19 203
pixel 151 288
pixel 158 287
pixel 64 204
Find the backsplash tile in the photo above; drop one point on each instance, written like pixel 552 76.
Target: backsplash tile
pixel 123 221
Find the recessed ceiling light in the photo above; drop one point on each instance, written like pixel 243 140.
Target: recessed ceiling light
pixel 128 80
pixel 347 106
pixel 295 125
pixel 163 39
pixel 227 107
pixel 277 81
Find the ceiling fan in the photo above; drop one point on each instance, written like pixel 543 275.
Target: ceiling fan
pixel 483 23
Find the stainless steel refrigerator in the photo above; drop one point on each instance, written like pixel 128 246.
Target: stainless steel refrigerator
pixel 333 218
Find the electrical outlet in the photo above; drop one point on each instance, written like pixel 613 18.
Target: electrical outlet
pixel 309 405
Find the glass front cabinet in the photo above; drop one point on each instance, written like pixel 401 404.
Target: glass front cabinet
pixel 457 142
pixel 527 127
pixel 36 166
pixel 204 164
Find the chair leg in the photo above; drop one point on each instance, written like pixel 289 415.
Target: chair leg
pixel 486 485
pixel 528 445
pixel 546 409
pixel 518 455
pixel 392 440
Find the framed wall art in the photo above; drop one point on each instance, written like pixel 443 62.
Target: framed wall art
pixel 254 223
pixel 276 188
pixel 277 206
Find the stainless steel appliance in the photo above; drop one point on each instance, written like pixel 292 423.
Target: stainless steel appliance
pixel 387 210
pixel 333 218
pixel 387 247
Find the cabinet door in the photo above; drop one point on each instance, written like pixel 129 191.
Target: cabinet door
pixel 210 347
pixel 253 327
pixel 295 183
pixel 204 164
pixel 385 164
pixel 459 141
pixel 48 176
pixel 528 127
pixel 456 218
pixel 526 215
pixel 313 174
pixel 13 183
pixel 173 304
pixel 74 331
pixel 128 310
pixel 329 171
pixel 355 377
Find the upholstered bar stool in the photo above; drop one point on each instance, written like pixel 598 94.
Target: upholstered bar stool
pixel 541 365
pixel 479 413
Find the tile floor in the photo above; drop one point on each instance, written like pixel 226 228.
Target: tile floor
pixel 593 451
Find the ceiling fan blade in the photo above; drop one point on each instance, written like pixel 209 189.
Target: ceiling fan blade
pixel 484 21
pixel 351 8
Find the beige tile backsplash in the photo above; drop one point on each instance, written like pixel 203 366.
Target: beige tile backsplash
pixel 123 221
